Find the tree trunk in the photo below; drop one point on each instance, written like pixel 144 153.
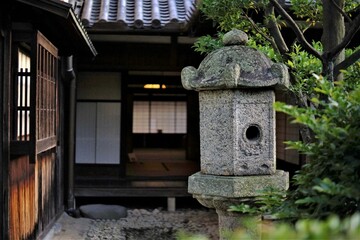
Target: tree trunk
pixel 333 33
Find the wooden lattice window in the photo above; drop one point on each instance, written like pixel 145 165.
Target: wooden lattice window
pixel 21 130
pixel 35 104
pixel 46 94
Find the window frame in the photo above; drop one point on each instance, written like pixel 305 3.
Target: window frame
pixel 154 114
pixel 44 106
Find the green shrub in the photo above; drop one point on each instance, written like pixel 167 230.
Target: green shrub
pixel 309 229
pixel 331 228
pixel 330 182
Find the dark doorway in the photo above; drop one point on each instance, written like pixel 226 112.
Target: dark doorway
pixel 159 128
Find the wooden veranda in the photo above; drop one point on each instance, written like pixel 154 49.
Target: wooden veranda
pixel 151 173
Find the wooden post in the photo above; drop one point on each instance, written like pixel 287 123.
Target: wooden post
pixel 5 62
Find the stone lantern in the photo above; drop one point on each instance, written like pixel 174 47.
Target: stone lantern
pixel 237 125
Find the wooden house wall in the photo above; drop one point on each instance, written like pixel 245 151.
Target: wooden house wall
pixel 23 210
pixel 129 56
pixel 174 57
pixel 286 131
pixel 2 192
pixel 141 56
pixel 167 57
pixel 4 82
pixel 35 196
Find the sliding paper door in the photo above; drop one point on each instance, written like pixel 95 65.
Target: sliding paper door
pixel 98 133
pixel 108 133
pixel 86 132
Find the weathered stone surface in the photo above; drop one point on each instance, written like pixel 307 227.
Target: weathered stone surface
pixel 235 37
pixel 235 187
pixel 237 132
pixel 101 211
pixel 235 66
pixel 237 127
pixel 221 192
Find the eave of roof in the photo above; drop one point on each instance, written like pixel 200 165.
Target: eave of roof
pixel 138 15
pixel 65 23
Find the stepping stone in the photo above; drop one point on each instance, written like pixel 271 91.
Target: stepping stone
pixel 101 211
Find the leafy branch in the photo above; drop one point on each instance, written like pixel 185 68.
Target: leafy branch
pixel 292 24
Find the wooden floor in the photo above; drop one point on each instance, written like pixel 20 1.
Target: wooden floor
pixel 160 162
pixel 151 172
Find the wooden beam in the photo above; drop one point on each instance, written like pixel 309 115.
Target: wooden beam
pixel 131 192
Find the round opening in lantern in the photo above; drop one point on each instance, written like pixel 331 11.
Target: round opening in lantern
pixel 253 133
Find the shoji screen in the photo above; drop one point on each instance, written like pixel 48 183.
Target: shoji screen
pixel 98 133
pixel 98 117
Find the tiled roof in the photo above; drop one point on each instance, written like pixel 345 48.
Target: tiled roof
pixel 65 20
pixel 137 14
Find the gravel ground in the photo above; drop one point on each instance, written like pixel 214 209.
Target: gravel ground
pixel 140 224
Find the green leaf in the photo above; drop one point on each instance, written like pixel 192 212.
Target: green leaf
pixel 319 90
pixel 306 200
pixel 290 64
pixel 315 100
